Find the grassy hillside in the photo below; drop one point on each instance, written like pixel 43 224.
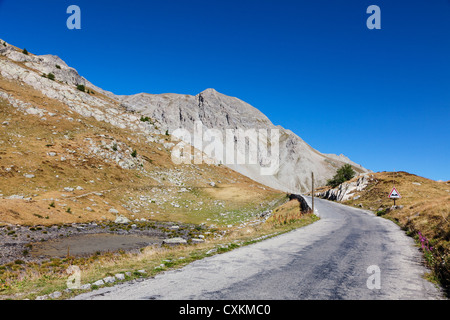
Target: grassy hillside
pixel 423 212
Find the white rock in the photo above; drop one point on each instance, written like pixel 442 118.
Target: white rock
pixel 122 220
pixel 85 286
pixel 120 276
pixel 174 241
pixel 99 283
pixel 109 279
pixel 55 295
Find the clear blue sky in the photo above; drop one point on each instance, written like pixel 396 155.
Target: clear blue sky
pixel 381 97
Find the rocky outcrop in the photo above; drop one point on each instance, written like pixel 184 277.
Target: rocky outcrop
pixel 346 190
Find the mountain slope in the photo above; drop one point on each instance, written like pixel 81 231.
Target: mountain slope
pixel 217 111
pixel 173 111
pixel 76 156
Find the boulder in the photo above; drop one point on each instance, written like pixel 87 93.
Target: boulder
pixel 122 220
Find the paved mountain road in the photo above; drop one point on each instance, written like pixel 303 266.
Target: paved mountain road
pixel 325 260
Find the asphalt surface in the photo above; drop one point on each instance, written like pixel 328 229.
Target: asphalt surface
pixel 328 259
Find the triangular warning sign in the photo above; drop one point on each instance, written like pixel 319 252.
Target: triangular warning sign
pixel 394 194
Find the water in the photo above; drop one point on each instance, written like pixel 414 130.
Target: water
pixel 80 245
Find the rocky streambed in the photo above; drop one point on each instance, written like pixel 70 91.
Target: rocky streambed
pixel 38 243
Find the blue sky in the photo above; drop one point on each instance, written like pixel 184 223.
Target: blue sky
pixel 381 97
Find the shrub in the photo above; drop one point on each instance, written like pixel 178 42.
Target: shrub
pixel 24 51
pixel 343 174
pixel 81 87
pixel 58 66
pixel 51 76
pixel 134 154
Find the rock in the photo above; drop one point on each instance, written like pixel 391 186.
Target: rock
pixel 15 197
pixel 29 176
pixel 122 220
pixel 174 241
pixel 69 189
pixel 52 154
pixel 212 184
pixel 85 286
pixel 55 295
pixel 45 297
pixel 109 279
pixel 120 276
pixel 142 271
pixel 113 211
pixel 417 183
pixel 80 188
pixel 212 251
pixel 197 240
pixel 356 198
pixel 98 283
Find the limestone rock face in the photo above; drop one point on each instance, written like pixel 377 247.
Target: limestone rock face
pixel 217 111
pixel 346 190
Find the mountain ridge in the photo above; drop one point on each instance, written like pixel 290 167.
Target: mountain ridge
pixel 170 111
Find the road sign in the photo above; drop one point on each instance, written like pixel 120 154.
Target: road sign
pixel 394 194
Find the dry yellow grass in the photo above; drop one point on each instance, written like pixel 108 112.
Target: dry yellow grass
pixel 35 280
pixel 426 209
pixel 27 140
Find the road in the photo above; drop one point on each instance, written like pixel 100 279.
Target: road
pixel 328 259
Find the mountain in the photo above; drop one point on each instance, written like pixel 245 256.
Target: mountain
pixel 71 153
pixel 214 110
pixel 166 113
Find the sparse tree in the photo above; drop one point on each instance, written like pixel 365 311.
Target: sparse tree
pixel 343 174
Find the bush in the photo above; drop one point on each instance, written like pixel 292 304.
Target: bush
pixel 134 154
pixel 58 66
pixel 24 51
pixel 81 87
pixel 51 76
pixel 343 174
